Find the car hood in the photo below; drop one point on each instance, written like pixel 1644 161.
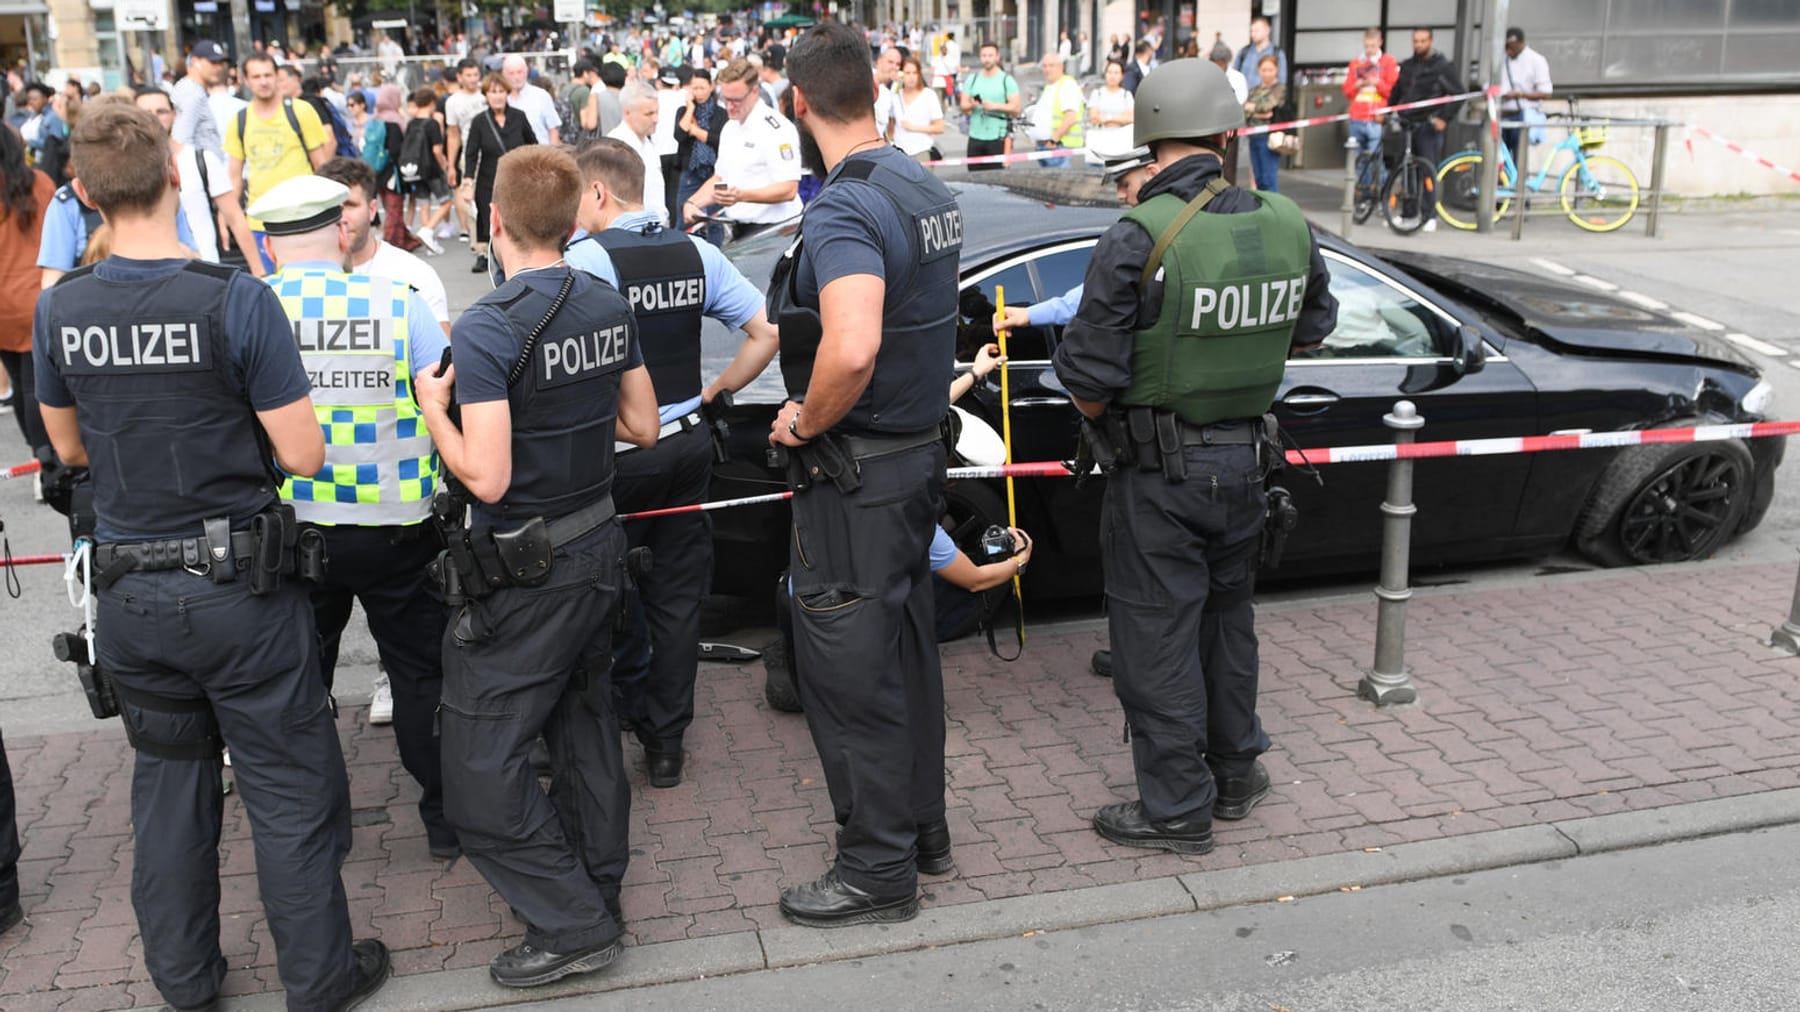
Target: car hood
pixel 1572 315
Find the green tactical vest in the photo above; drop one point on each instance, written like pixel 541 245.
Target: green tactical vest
pixel 1233 285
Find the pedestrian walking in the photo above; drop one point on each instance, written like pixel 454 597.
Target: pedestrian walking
pixel 1181 524
pixel 867 391
pixel 25 197
pixel 206 631
pixel 548 374
pixel 499 129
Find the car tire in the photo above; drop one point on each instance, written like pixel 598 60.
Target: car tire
pixel 1670 503
pixel 971 507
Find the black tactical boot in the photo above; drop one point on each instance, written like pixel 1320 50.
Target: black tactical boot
pixel 524 965
pixel 1102 663
pixel 1126 823
pixel 933 857
pixel 665 767
pixel 369 973
pixel 1237 795
pixel 831 902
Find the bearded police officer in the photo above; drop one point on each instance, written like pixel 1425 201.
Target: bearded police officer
pixel 1191 305
pixel 361 339
pixel 671 280
pixel 548 374
pixel 176 381
pixel 866 305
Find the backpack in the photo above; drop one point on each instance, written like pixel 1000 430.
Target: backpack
pixel 415 152
pixel 340 127
pixel 571 124
pixel 375 149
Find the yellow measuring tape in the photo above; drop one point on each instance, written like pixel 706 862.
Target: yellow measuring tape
pixel 1012 503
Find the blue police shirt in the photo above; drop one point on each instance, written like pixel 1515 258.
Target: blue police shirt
pixel 730 297
pixel 65 235
pixel 425 340
pixel 943 552
pixel 257 332
pixel 1055 312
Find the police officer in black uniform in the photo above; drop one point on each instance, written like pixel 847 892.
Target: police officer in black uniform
pixel 547 375
pixel 672 280
pixel 1177 361
pixel 868 390
pixel 176 381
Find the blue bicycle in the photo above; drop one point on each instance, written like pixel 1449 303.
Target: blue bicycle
pixel 1598 192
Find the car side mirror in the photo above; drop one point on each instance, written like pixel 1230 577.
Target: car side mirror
pixel 1471 351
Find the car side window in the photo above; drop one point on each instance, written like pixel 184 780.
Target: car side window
pixel 1376 320
pixel 1062 270
pixel 975 317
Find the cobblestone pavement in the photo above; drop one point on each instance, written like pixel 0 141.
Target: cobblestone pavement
pixel 1544 699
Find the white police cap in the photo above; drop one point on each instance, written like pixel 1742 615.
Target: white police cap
pixel 1119 163
pixel 300 205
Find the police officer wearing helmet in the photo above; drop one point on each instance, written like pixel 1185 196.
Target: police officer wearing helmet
pixel 1192 304
pixel 362 338
pixel 866 302
pixel 547 375
pixel 672 280
pixel 178 383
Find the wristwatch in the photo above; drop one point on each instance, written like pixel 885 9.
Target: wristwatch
pixel 794 427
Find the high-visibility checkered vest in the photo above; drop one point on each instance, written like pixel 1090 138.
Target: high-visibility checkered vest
pixel 380 466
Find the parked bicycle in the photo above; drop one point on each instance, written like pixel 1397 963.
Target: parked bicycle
pixel 1598 192
pixel 1369 179
pixel 1406 199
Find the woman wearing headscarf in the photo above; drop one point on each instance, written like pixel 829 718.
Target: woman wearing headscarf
pixel 388 98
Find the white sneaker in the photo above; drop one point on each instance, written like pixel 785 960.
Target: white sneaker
pixel 1430 225
pixel 381 702
pixel 424 235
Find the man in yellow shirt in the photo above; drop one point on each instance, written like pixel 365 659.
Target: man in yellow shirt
pixel 272 140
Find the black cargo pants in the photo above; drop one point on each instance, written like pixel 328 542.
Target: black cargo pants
pixel 9 834
pixel 865 652
pixel 513 664
pixel 655 676
pixel 1180 566
pixel 384 568
pixel 256 661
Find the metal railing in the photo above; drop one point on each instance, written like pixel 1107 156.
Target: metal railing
pixel 420 71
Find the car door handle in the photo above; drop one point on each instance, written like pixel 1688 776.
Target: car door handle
pixel 1309 400
pixel 1039 402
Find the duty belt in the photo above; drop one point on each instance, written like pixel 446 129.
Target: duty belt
pixel 1234 433
pixel 273 547
pixel 477 563
pixel 685 423
pixel 838 458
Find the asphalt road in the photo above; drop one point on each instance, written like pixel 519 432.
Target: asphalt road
pixel 1702 925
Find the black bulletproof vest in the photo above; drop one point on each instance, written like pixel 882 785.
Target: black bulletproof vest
pixel 662 276
pixel 170 433
pixel 909 390
pixel 565 405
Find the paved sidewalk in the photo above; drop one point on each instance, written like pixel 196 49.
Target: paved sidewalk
pixel 1543 700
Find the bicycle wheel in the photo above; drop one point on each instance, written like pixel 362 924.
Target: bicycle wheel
pixel 1599 193
pixel 1406 198
pixel 1459 189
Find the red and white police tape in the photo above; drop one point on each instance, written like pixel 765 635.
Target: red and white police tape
pixel 1372 452
pixel 21 470
pixel 1338 117
pixel 1731 146
pixel 1016 156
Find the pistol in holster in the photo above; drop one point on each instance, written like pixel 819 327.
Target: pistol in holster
pixel 1103 443
pixel 637 564
pixel 1279 521
pixel 714 411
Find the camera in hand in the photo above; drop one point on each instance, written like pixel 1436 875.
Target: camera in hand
pixel 997 543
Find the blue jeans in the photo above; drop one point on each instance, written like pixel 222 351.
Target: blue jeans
pixel 1264 163
pixel 1368 137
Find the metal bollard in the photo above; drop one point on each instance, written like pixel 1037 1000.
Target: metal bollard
pixel 1389 683
pixel 1657 160
pixel 1786 637
pixel 1521 201
pixel 1350 150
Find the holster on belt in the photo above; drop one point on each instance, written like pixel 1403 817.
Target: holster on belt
pixel 636 565
pixel 785 460
pixel 1168 447
pixel 827 457
pixel 714 411
pixel 274 535
pixel 1102 443
pixel 1140 430
pixel 524 552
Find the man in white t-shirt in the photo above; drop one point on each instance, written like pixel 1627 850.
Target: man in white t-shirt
pixel 756 179
pixel 887 99
pixel 638 129
pixel 368 254
pixel 460 109
pixel 205 191
pixel 195 122
pixel 537 105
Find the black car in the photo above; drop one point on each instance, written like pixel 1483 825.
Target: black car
pixel 1483 351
